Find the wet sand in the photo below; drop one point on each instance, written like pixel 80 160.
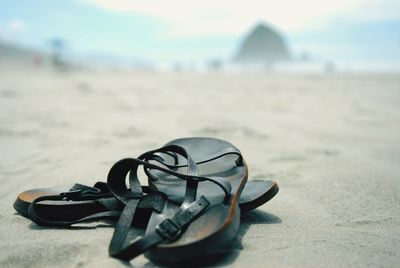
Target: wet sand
pixel 332 142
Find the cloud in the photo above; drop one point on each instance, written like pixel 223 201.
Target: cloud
pixel 187 18
pixel 17 26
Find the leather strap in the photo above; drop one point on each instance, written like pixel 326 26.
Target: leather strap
pixel 117 175
pixel 35 215
pixel 228 151
pixel 122 246
pixel 168 230
pixel 79 192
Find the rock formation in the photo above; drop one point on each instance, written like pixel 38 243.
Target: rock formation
pixel 263 46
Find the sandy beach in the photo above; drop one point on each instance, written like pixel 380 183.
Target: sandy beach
pixel 331 141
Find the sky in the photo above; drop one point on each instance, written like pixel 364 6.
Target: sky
pixel 346 32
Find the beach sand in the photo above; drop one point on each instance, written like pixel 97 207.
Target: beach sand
pixel 332 142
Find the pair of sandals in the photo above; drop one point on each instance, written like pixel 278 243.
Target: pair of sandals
pixel 191 208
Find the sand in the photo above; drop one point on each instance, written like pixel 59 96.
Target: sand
pixel 332 142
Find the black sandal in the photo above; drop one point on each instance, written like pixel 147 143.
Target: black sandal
pixel 254 194
pixel 206 215
pixel 82 201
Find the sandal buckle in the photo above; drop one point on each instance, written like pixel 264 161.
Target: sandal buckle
pixel 168 229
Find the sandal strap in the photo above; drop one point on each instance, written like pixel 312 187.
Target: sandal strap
pixel 228 151
pixel 35 215
pixel 104 197
pixel 192 170
pixel 78 192
pixel 168 230
pixel 191 188
pixel 119 171
pixel 123 245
